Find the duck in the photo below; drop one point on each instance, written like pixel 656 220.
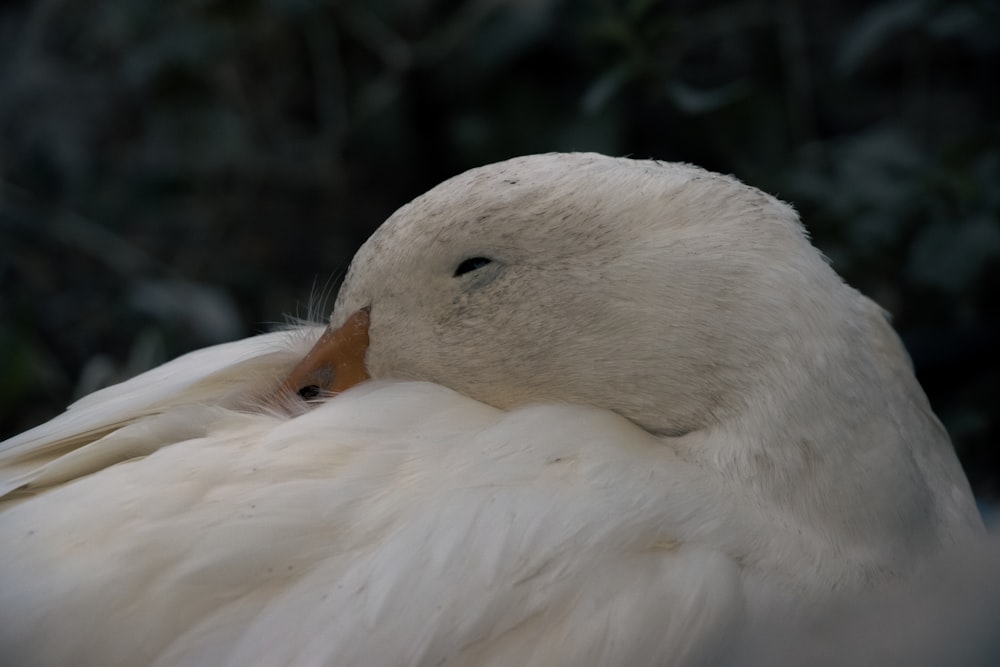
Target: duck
pixel 569 409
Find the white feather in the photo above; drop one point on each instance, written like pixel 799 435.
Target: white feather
pixel 655 422
pixel 397 524
pixel 168 399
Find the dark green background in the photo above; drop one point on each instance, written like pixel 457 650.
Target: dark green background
pixel 175 173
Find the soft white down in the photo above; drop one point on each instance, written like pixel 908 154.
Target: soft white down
pixel 654 420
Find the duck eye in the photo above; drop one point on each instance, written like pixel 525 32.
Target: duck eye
pixel 471 264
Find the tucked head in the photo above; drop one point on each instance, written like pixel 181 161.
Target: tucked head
pixel 688 303
pixel 661 291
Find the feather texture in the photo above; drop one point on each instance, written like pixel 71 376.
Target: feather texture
pixel 653 423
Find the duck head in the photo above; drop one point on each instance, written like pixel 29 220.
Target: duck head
pixel 685 301
pixel 674 296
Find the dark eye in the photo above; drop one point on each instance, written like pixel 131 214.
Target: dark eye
pixel 471 264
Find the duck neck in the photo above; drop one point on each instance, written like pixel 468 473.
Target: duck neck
pixel 840 447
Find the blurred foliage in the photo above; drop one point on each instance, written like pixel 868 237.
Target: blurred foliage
pixel 177 173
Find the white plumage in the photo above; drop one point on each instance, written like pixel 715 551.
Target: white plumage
pixel 652 420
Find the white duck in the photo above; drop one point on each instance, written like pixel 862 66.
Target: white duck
pixel 621 409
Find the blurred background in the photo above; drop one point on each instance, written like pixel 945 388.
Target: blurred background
pixel 176 173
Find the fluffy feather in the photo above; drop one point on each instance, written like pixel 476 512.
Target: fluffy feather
pixel 655 419
pixel 136 417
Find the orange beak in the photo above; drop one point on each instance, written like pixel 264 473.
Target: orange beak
pixel 335 363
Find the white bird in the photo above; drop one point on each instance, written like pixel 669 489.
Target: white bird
pixel 619 412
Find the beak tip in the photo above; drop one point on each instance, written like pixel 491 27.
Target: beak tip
pixel 335 363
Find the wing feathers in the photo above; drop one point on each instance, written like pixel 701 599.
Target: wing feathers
pixel 94 432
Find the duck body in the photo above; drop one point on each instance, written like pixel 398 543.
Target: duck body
pixel 428 527
pixel 649 415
